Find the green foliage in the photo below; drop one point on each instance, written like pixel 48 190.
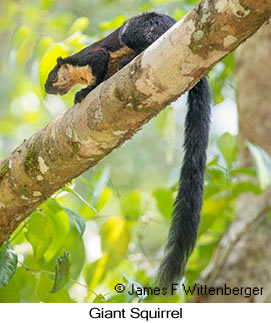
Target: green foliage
pixel 77 220
pixel 62 272
pixel 39 238
pixel 48 60
pixel 8 264
pixel 164 199
pixel 131 205
pixel 228 147
pixel 127 226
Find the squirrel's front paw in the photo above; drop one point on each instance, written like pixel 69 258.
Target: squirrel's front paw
pixel 79 96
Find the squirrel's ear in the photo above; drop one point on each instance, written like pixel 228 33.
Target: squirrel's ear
pixel 60 61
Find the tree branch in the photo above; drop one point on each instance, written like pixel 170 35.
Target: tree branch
pixel 115 110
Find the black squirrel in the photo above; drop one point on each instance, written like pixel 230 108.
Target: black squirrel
pixel 99 61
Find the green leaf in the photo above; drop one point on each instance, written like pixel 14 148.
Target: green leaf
pixel 115 237
pixel 8 265
pixel 24 283
pixel 76 247
pixel 42 45
pixel 213 161
pixel 20 35
pixel 61 226
pixel 77 220
pixel 68 189
pixel 10 293
pixel 62 272
pixel 113 24
pixel 25 51
pixel 39 233
pixel 211 209
pixel 95 272
pixel 263 164
pixel 43 292
pixel 48 60
pixel 227 144
pixel 80 23
pixel 164 199
pixel 131 205
pixel 243 187
pixel 100 179
pixel 104 198
pixel 243 170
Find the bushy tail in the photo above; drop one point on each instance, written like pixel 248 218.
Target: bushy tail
pixel 187 207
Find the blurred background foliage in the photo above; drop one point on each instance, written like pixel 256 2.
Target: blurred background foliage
pixel 110 225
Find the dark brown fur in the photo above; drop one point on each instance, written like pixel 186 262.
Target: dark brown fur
pixel 82 67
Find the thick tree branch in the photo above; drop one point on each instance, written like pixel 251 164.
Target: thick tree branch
pixel 119 107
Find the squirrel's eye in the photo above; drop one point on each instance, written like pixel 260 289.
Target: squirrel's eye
pixel 54 77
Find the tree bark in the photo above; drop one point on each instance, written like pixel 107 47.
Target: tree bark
pixel 243 258
pixel 116 109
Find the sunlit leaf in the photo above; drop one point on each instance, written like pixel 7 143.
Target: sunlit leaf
pixel 43 45
pixel 77 220
pixel 263 164
pixel 105 196
pixel 75 244
pixel 62 272
pixel 146 6
pixel 243 187
pixel 115 236
pixel 100 179
pixel 242 170
pixel 70 190
pixel 25 51
pixel 48 60
pixel 21 34
pixel 227 144
pixel 131 205
pixel 47 3
pixel 77 41
pixel 43 292
pixel 95 271
pixel 10 293
pixel 61 226
pixel 8 265
pixel 39 233
pixel 164 199
pixel 212 209
pixel 80 23
pixel 213 161
pixel 113 24
pixel 178 14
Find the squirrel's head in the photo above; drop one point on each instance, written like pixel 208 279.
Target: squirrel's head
pixel 60 80
pixel 64 76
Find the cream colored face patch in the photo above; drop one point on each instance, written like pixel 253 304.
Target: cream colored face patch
pixel 69 76
pixel 81 75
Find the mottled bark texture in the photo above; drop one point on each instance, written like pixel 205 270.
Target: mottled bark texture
pixel 244 256
pixel 119 107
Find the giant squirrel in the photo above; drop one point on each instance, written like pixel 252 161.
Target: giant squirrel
pixel 99 61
